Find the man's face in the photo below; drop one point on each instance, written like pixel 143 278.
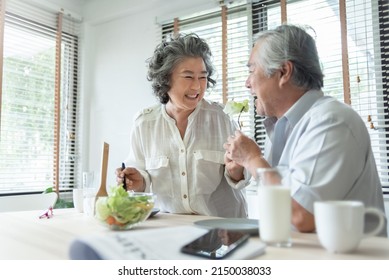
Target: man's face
pixel 264 88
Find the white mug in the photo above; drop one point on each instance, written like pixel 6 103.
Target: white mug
pixel 340 224
pixel 275 208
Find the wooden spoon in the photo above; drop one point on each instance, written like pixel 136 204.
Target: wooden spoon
pixel 104 166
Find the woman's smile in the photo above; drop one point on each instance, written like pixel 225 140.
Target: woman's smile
pixel 192 96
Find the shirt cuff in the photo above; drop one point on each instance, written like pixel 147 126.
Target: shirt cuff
pixel 242 183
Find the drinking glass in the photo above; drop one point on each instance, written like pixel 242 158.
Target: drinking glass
pixel 275 208
pixel 89 193
pixel 78 199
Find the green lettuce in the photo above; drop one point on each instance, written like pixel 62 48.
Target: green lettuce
pixel 122 208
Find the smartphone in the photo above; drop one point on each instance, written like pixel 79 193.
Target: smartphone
pixel 216 243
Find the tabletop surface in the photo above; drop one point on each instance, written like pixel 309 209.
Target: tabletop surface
pixel 24 236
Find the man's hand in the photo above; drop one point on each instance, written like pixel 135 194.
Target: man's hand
pixel 245 152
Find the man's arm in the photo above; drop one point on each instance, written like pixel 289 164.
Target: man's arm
pixel 302 219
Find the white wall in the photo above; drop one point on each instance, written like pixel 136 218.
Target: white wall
pixel 69 6
pixel 119 36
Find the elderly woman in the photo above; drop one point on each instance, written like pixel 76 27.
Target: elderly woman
pixel 177 145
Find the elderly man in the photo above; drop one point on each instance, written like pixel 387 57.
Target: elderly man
pixel 323 143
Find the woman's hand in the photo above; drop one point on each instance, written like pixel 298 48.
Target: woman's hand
pixel 244 152
pixel 133 180
pixel 234 170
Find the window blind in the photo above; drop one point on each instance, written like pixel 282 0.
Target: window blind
pixel 366 71
pixel 265 15
pixel 32 120
pixel 352 42
pixel 209 26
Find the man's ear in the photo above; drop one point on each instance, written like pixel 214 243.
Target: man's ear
pixel 286 72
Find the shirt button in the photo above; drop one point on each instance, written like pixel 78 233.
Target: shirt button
pixel 185 196
pixel 183 173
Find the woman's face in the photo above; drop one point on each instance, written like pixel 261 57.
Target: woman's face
pixel 188 84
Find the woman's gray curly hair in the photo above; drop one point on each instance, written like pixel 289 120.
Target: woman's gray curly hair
pixel 168 54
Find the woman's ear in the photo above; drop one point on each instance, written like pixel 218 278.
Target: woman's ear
pixel 286 72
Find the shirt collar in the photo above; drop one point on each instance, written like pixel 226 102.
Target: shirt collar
pixel 296 112
pixel 191 116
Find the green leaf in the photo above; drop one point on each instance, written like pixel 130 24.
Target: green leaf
pixel 48 190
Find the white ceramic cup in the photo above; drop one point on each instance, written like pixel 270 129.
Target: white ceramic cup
pixel 275 208
pixel 78 199
pixel 340 224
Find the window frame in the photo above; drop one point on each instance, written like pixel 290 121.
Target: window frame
pixel 259 23
pixel 64 30
pixel 260 134
pixel 227 76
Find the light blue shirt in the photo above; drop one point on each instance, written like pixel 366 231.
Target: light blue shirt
pixel 328 153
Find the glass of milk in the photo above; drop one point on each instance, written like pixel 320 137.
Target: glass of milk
pixel 275 208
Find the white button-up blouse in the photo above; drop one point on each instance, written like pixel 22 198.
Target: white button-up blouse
pixel 187 175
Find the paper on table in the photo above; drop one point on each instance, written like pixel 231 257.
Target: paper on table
pixel 152 244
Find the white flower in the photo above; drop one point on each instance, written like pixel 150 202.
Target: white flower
pixel 232 108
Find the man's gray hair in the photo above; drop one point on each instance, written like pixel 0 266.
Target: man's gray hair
pixel 294 44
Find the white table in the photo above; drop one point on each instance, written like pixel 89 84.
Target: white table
pixel 24 236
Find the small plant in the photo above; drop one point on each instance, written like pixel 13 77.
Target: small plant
pixel 61 203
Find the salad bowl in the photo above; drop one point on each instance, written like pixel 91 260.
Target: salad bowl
pixel 122 210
